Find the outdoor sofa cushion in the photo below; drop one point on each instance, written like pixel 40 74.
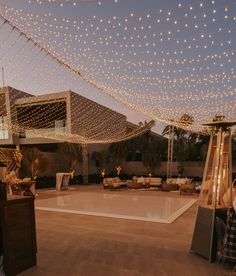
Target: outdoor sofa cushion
pixel 113 182
pixel 152 181
pixel 155 181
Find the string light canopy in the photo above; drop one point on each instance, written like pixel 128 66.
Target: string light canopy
pixel 66 116
pixel 97 137
pixel 164 60
pixel 88 123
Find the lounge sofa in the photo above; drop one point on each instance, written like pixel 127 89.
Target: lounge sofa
pixel 154 181
pixel 150 181
pixel 113 182
pixel 178 181
pixel 179 184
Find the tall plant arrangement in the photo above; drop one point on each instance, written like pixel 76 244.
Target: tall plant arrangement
pixel 71 153
pixel 34 161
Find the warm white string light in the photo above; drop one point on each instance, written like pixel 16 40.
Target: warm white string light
pixel 181 78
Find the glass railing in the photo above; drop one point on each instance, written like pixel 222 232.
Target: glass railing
pixel 44 132
pixel 4 134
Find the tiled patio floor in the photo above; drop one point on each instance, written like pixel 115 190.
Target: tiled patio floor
pixel 74 244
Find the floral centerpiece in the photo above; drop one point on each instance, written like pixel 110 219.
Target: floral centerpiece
pixel 17 157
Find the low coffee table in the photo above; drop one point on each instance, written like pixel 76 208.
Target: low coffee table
pixel 25 186
pixel 146 185
pixel 134 185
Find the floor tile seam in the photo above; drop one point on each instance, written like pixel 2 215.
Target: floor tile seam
pixel 127 217
pixel 91 227
pixel 169 220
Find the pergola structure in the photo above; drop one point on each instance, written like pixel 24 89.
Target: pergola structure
pixel 9 157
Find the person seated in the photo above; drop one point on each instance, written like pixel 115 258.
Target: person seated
pixel 227 200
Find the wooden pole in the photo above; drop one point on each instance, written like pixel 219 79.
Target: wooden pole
pixel 3 82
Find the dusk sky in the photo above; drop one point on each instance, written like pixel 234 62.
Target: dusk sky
pixel 148 59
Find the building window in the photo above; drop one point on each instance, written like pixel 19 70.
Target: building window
pixel 60 126
pixel 4 134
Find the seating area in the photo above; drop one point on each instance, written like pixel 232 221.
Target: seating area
pixel 19 186
pixel 184 185
pixel 136 183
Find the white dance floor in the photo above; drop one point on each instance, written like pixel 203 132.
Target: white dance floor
pixel 123 205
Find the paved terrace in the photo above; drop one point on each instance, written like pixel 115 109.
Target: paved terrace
pixel 73 244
